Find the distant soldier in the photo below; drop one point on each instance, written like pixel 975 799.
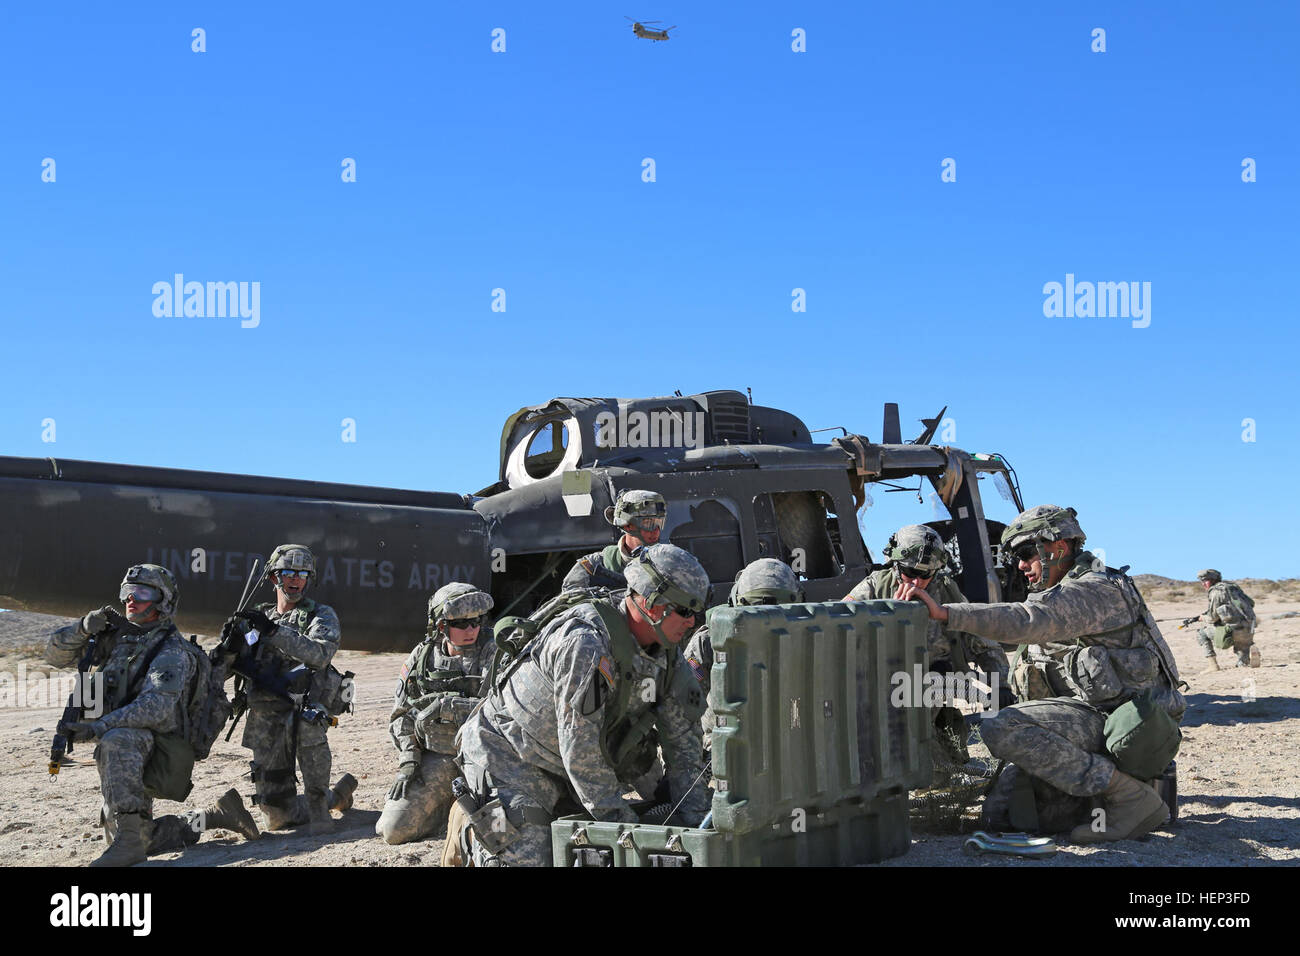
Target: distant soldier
pixel 146 675
pixel 1092 646
pixel 1231 615
pixel 641 515
pixel 438 687
pixel 295 638
pixel 765 581
pixel 918 559
pixel 591 689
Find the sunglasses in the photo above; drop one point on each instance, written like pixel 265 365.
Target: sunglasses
pixel 140 593
pixel 293 574
pixel 648 524
pixel 1026 553
pixel 465 623
pixel 916 573
pixel 681 611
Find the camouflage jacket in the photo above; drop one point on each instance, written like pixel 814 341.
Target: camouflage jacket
pixel 973 651
pixel 308 634
pixel 1229 605
pixel 553 709
pixel 600 569
pixel 435 693
pixel 132 698
pixel 1093 639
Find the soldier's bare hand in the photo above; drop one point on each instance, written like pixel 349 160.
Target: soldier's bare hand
pixel 911 592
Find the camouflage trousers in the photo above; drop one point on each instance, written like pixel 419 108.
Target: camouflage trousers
pixel 121 758
pixel 528 794
pixel 423 811
pixel 1242 639
pixel 1058 740
pixel 269 734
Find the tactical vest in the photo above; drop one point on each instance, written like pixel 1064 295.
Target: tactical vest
pixel 124 672
pixel 628 742
pixel 1106 676
pixel 1243 604
pixel 421 682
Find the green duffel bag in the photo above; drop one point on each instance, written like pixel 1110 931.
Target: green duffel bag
pixel 167 774
pixel 1142 737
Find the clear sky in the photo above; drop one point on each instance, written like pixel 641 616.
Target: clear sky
pixel 774 170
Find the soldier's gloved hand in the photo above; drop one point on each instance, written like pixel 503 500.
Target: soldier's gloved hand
pixel 96 621
pixel 263 624
pixel 407 774
pixel 85 730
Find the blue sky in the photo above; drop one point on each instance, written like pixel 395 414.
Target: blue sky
pixel 775 170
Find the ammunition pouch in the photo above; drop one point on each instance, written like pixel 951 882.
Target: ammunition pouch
pixel 1142 737
pixel 331 691
pixel 167 774
pixel 1028 680
pixel 1090 674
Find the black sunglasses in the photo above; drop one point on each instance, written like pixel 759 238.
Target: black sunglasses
pixel 915 573
pixel 465 623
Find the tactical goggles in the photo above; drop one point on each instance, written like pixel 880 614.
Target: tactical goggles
pixel 1025 552
pixel 291 573
pixel 681 611
pixel 140 593
pixel 648 524
pixel 915 573
pixel 465 623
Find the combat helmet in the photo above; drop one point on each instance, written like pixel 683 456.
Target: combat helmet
pixel 456 602
pixel 666 574
pixel 765 581
pixel 1038 526
pixel 157 577
pixel 1209 574
pixel 636 503
pixel 292 557
pixel 917 546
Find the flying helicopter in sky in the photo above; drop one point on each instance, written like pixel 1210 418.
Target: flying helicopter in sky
pixel 639 27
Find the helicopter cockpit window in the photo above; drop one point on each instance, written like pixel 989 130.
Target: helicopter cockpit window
pixel 542 449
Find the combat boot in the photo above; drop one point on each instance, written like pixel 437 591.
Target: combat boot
pixel 1133 810
pixel 1255 658
pixel 278 816
pixel 1212 666
pixel 127 848
pixel 340 795
pixel 318 814
pixel 229 813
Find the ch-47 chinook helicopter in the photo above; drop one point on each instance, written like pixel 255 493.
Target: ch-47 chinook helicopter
pixel 742 481
pixel 639 28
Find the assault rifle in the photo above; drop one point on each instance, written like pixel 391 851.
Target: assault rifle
pixel 76 706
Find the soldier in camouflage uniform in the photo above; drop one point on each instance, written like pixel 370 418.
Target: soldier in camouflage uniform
pixel 918 558
pixel 1232 621
pixel 297 638
pixel 1093 646
pixel 765 581
pixel 569 720
pixel 145 673
pixel 438 687
pixel 641 515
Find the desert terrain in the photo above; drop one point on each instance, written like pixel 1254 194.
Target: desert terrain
pixel 1239 789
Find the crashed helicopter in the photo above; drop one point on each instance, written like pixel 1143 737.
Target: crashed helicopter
pixel 742 481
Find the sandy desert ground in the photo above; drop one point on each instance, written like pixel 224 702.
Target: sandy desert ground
pixel 1238 783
